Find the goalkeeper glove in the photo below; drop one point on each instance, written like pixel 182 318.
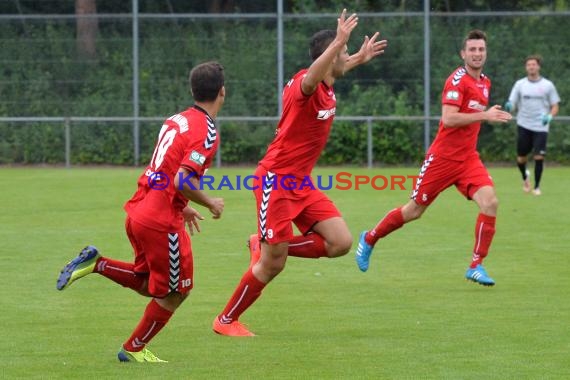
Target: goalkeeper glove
pixel 546 119
pixel 508 106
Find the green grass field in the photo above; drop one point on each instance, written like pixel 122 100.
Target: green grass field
pixel 411 316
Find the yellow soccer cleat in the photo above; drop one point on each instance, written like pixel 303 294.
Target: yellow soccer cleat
pixel 143 356
pixel 81 266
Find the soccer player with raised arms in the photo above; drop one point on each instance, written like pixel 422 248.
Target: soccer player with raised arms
pixel 309 106
pixel 163 266
pixel 453 160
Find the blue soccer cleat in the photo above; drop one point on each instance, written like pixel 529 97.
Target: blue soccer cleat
pixel 81 266
pixel 363 252
pixel 479 275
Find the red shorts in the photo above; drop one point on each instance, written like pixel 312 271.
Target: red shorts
pixel 165 256
pixel 437 174
pixel 288 200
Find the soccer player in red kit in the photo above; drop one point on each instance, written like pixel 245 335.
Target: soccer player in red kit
pixel 157 212
pixel 453 159
pixel 309 105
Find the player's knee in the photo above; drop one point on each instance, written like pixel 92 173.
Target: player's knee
pixel 340 246
pixel 414 215
pixel 490 205
pixel 271 266
pixel 412 212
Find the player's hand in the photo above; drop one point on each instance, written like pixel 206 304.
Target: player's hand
pixel 216 207
pixel 371 48
pixel 496 115
pixel 508 106
pixel 546 119
pixel 345 26
pixel 191 217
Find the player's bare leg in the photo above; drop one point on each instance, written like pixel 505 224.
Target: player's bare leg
pixel 538 167
pixel 521 163
pixel 336 235
pixel 271 262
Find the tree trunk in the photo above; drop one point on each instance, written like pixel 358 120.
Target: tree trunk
pixel 221 6
pixel 86 29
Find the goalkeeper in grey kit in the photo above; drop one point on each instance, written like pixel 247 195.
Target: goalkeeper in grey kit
pixel 536 101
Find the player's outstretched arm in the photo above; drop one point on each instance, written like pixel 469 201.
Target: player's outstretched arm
pixel 320 67
pixel 452 118
pixel 370 48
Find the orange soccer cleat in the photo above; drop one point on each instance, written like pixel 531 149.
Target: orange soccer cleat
pixel 234 328
pixel 254 249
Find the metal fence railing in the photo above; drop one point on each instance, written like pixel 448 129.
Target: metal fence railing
pixel 68 124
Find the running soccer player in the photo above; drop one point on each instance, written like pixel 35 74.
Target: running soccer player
pixel 452 159
pixel 536 100
pixel 309 106
pixel 163 265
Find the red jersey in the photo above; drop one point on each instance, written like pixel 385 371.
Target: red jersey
pixel 303 130
pixel 188 139
pixel 470 95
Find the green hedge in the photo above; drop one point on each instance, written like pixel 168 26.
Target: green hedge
pixel 43 77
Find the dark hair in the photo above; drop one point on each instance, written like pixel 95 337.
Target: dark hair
pixel 535 57
pixel 206 80
pixel 474 34
pixel 320 42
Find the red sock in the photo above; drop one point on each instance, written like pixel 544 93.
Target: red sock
pixel 120 272
pixel 155 317
pixel 248 290
pixel 484 232
pixel 391 222
pixel 311 246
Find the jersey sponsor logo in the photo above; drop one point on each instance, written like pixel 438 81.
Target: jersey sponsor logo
pixel 197 157
pixel 475 105
pixel 486 92
pixel 452 95
pixel 458 75
pixel 326 114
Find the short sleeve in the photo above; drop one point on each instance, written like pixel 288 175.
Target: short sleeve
pixel 514 96
pixel 553 96
pixel 452 93
pixel 200 148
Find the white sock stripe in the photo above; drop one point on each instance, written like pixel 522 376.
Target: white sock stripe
pixel 120 269
pixel 303 243
pixel 149 331
pixel 479 238
pixel 238 302
pixel 137 343
pixel 225 319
